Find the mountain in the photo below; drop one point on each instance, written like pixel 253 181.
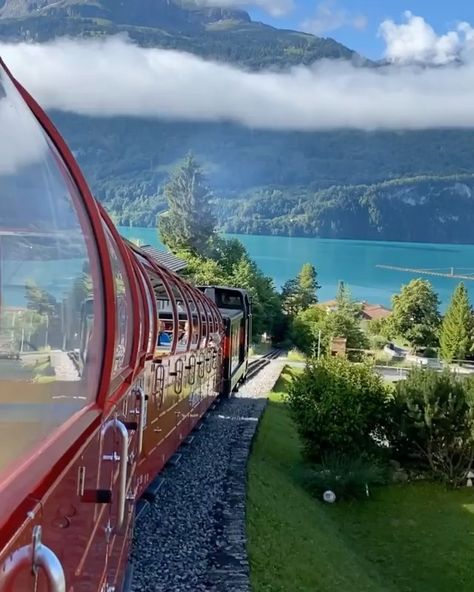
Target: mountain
pixel 218 33
pixel 342 184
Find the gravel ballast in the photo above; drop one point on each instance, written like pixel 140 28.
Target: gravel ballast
pixel 193 536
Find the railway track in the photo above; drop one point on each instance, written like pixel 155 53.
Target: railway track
pixel 256 365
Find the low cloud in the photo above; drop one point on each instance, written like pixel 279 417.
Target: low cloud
pixel 416 42
pixel 330 17
pixel 275 8
pixel 113 77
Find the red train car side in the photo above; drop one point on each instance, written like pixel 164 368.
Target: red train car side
pixel 107 362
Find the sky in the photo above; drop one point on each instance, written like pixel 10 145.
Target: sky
pixel 355 23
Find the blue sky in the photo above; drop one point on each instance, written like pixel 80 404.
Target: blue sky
pixel 355 22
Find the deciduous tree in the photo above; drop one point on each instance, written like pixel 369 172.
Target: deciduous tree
pixel 415 315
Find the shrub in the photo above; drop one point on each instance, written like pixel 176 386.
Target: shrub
pixel 347 476
pixel 432 417
pixel 377 341
pixel 338 408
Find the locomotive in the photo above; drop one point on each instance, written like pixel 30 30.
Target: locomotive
pixel 108 360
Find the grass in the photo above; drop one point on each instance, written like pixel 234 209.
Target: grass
pixel 294 355
pixel 408 538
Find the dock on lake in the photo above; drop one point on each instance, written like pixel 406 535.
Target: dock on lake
pixel 449 272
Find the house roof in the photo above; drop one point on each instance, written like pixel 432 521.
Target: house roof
pixel 375 311
pixel 369 311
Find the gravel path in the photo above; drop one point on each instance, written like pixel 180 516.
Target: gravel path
pixel 193 537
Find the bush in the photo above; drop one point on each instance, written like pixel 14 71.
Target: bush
pixel 432 417
pixel 380 328
pixel 347 476
pixel 377 341
pixel 339 408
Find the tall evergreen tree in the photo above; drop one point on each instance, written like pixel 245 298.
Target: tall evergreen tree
pixel 289 297
pixel 308 286
pixel 457 327
pixel 345 303
pixel 300 293
pixel 189 223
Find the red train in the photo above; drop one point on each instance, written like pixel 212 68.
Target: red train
pixel 107 362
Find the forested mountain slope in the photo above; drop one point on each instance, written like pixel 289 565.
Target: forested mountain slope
pixel 378 185
pixel 219 33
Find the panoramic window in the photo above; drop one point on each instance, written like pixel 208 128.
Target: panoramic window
pixel 123 314
pixel 50 297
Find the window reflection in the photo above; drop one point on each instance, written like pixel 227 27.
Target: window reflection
pixel 122 291
pixel 50 301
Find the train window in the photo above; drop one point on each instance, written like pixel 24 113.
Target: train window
pixel 164 308
pixel 151 312
pixel 123 337
pixel 235 347
pixel 51 302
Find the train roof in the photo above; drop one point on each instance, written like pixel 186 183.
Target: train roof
pixel 232 288
pixel 164 258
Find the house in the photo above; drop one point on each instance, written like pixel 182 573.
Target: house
pixel 369 312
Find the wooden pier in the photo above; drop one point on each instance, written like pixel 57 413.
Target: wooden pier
pixel 451 273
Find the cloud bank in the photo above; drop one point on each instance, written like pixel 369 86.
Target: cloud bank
pixel 415 41
pixel 330 17
pixel 113 77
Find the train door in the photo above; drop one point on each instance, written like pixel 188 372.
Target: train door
pixel 51 271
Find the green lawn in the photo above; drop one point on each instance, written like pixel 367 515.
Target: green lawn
pixel 408 538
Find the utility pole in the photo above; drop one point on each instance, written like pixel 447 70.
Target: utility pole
pixel 319 344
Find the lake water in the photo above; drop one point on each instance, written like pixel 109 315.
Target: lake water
pixel 354 262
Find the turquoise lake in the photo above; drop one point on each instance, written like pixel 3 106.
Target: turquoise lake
pixel 352 261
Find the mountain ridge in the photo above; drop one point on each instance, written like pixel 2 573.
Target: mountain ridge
pixel 221 34
pixel 375 185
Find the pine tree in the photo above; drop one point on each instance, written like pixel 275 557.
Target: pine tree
pixel 189 224
pixel 308 286
pixel 345 303
pixel 457 327
pixel 299 293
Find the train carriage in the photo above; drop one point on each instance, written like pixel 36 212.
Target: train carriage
pixel 107 362
pixel 236 310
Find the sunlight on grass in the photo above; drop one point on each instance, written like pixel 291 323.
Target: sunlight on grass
pixel 408 538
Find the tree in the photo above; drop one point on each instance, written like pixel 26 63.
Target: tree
pixel 306 327
pixel 299 293
pixel 189 222
pixel 457 327
pixel 289 297
pixel 345 303
pixel 415 315
pixel 342 323
pixel 339 408
pixel 432 417
pixel 308 286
